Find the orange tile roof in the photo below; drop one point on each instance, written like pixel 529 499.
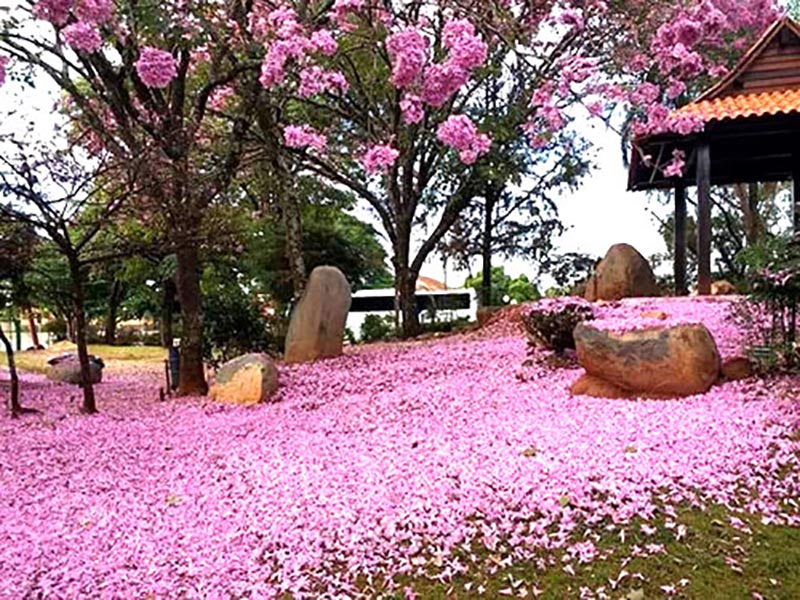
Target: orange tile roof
pixel 745 105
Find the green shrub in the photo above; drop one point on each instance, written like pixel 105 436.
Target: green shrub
pixel 550 324
pixel 769 314
pixel 376 328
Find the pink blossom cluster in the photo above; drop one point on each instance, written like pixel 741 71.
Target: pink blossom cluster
pixel 3 63
pixel 408 51
pixel 156 68
pixel 287 41
pixel 55 11
pixel 303 136
pixel 94 11
pixel 316 80
pixel 434 84
pixel 379 157
pixel 343 9
pixel 467 52
pixel 694 41
pixel 676 165
pixel 393 459
pixel 461 134
pixel 220 97
pixel 82 34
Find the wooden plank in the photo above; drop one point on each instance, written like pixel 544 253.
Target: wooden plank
pixel 704 218
pixel 680 241
pixel 775 64
pixel 796 195
pixel 756 86
pixel 785 73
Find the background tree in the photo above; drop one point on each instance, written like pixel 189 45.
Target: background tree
pixel 742 216
pixel 505 289
pixel 514 212
pixel 330 236
pixel 68 199
pixel 17 242
pixel 142 81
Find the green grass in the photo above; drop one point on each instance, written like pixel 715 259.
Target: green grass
pixel 36 362
pixel 767 563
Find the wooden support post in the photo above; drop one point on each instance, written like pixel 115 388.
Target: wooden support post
pixel 703 218
pixel 680 241
pixel 796 195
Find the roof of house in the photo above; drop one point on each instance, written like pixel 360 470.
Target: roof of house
pixel 765 81
pixel 429 285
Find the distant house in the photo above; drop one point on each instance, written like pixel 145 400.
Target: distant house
pixel 427 284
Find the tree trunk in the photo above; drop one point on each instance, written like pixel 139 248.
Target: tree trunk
pixel 405 281
pixel 71 329
pixel 167 310
pixel 406 285
pixel 192 378
pixel 89 405
pixel 34 330
pixel 13 398
pixel 293 228
pixel 114 298
pixel 486 249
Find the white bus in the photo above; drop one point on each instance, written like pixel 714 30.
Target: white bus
pixel 432 306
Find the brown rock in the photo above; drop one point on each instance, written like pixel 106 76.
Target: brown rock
pixel 722 288
pixel 657 362
pixel 623 273
pixel 589 385
pixel 317 326
pixel 655 314
pixel 248 379
pixel 736 368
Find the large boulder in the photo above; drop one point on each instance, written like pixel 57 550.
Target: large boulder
pixel 623 273
pixel 66 368
pixel 317 326
pixel 658 362
pixel 249 379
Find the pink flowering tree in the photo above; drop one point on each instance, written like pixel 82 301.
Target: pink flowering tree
pixel 375 96
pixel 150 80
pixel 383 97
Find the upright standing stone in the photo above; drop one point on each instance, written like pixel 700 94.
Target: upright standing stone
pixel 317 326
pixel 623 273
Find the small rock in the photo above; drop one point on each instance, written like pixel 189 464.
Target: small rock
pixel 736 368
pixel 66 368
pixel 722 288
pixel 247 380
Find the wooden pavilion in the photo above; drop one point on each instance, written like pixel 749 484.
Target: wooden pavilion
pixel 751 135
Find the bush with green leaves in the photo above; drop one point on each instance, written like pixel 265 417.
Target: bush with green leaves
pixel 769 314
pixel 376 328
pixel 233 322
pixel 550 323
